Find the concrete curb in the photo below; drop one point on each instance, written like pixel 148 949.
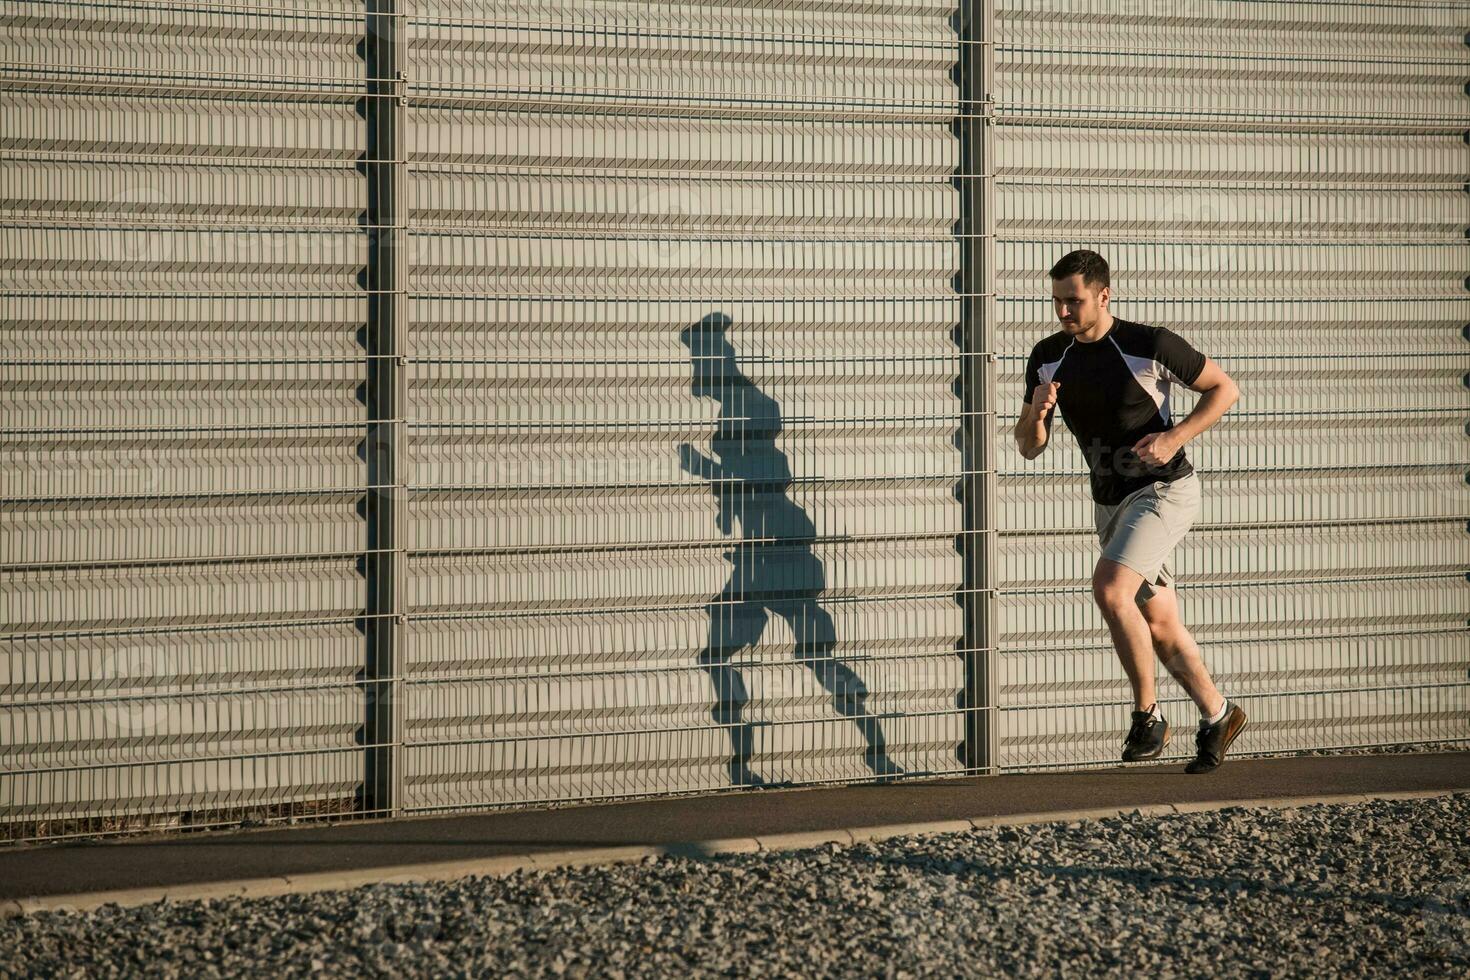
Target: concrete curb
pixel 580 857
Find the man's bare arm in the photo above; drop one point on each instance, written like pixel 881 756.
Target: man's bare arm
pixel 1219 391
pixel 1031 433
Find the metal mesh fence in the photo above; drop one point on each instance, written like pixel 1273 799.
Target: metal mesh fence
pixel 425 406
pixel 1283 185
pixel 682 408
pixel 179 469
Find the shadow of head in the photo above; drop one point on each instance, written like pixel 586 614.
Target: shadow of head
pixel 708 349
pixel 706 334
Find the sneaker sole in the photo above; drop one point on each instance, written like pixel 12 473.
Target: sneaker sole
pixel 1231 734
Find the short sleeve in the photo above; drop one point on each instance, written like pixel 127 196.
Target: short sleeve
pixel 1033 378
pixel 1181 363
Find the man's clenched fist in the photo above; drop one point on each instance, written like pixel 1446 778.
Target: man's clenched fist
pixel 1044 398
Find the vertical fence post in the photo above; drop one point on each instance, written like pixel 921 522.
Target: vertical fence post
pixel 386 280
pixel 991 417
pixel 977 382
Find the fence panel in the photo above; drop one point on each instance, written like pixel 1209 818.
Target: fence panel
pixel 682 399
pixel 179 471
pixel 1283 185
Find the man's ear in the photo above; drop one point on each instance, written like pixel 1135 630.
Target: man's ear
pixel 1103 295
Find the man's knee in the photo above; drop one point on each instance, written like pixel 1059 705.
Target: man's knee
pixel 1161 610
pixel 1166 644
pixel 1115 586
pixel 1168 635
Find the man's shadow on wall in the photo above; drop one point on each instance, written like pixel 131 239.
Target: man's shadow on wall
pixel 781 576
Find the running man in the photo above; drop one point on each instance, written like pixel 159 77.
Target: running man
pixel 1111 379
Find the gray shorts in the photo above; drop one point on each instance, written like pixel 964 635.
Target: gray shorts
pixel 1141 530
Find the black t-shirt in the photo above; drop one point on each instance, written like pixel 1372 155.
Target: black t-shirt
pixel 1113 392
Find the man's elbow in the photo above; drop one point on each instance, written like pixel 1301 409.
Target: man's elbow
pixel 1226 391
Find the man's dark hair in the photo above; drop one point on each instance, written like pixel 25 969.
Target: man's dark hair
pixel 1094 267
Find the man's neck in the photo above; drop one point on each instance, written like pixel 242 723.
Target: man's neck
pixel 1099 330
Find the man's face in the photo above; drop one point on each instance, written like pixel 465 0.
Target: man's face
pixel 1078 305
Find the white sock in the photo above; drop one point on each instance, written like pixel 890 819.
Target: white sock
pixel 1154 711
pixel 1218 715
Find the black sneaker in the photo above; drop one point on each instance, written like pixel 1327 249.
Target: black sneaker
pixel 1213 740
pixel 1146 737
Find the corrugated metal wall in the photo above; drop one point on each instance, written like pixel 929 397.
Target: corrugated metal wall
pixel 682 417
pixel 179 467
pixel 1283 184
pixel 695 335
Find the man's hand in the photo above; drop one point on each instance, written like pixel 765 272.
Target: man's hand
pixel 1032 427
pixel 1157 448
pixel 1044 398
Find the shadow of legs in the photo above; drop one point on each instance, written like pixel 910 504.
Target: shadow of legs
pixel 849 693
pixel 730 701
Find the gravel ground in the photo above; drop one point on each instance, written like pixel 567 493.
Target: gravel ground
pixel 1399 748
pixel 1324 890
